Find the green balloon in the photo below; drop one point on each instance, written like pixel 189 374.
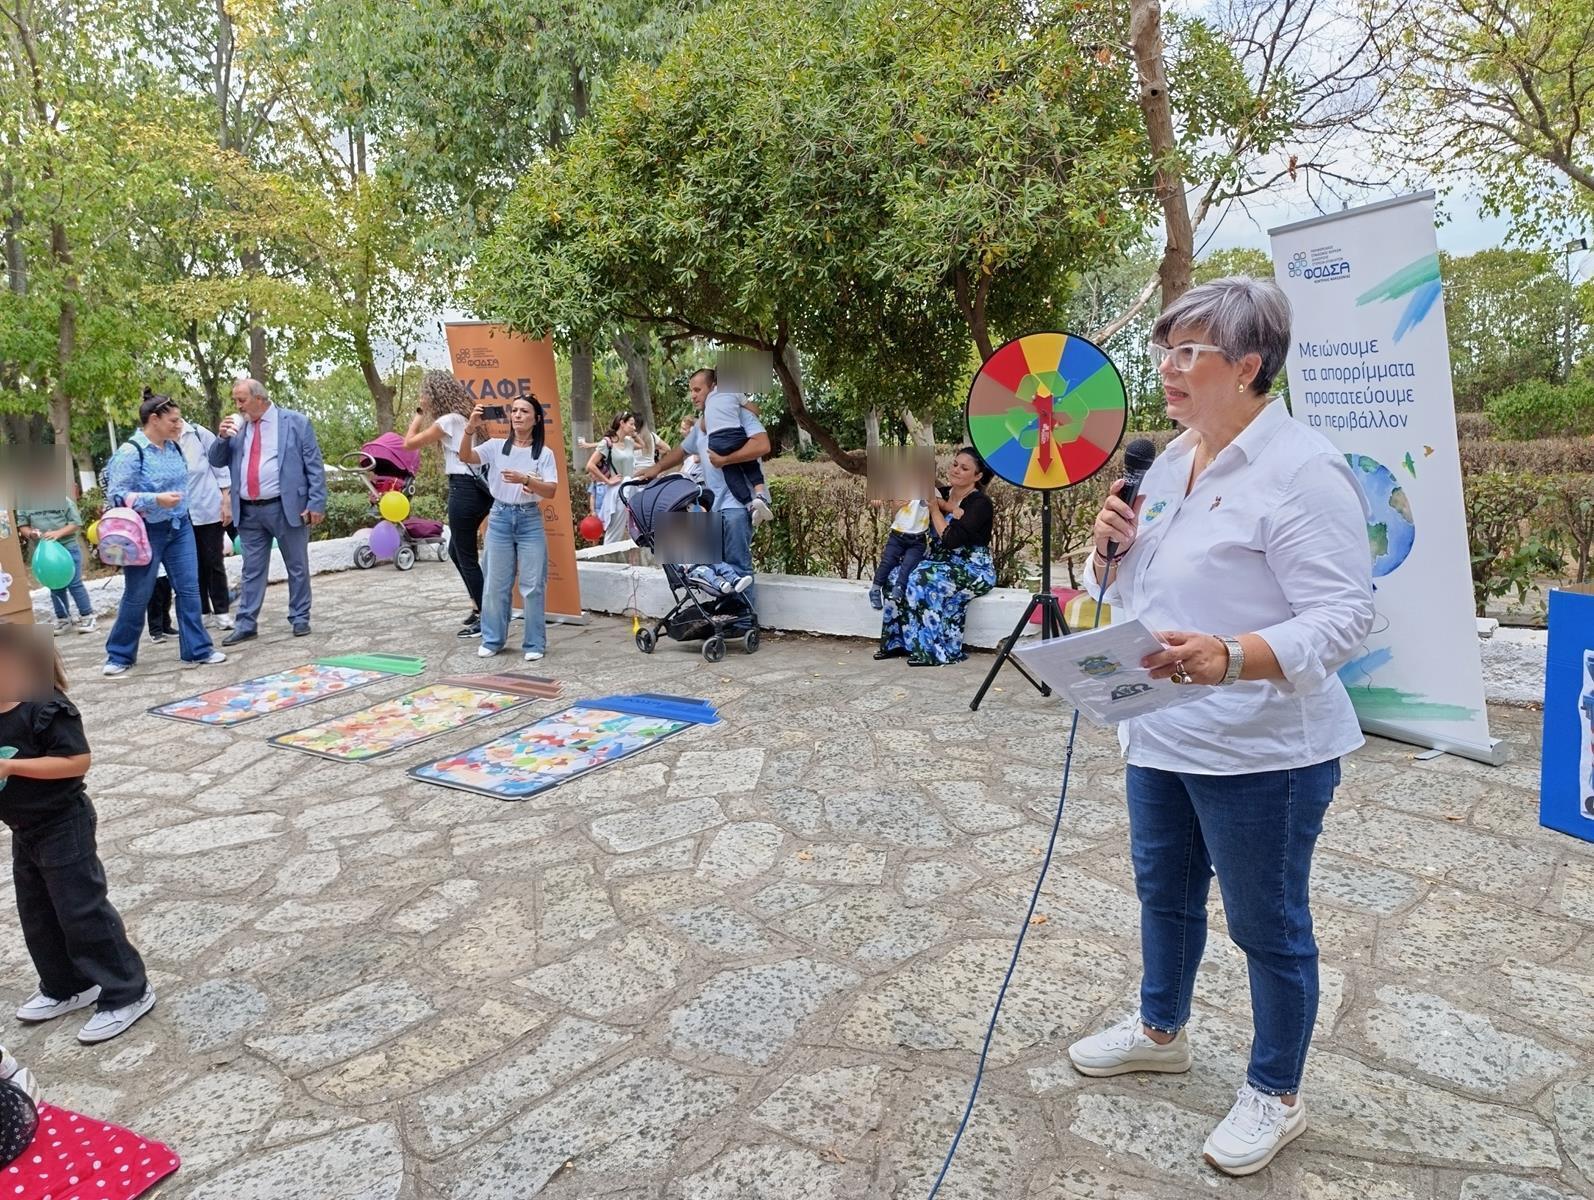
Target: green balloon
pixel 52 565
pixel 237 545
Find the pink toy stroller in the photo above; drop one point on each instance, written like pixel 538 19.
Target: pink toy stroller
pixel 385 466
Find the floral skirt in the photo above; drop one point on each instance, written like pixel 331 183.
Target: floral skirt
pixel 928 621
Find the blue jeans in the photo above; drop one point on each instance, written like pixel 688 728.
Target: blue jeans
pixel 78 591
pixel 516 544
pixel 736 542
pixel 170 543
pixel 1258 831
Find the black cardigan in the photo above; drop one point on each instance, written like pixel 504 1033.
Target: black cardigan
pixel 973 528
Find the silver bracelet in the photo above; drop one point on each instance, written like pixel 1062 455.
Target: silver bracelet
pixel 1236 660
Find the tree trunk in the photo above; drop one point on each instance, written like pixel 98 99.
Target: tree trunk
pixel 580 406
pixel 789 368
pixel 871 431
pixel 16 254
pixel 206 370
pixel 65 337
pixel 381 393
pixel 638 375
pixel 253 264
pixel 1145 40
pixel 971 297
pixel 920 432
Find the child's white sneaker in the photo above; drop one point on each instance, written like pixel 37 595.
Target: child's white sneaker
pixel 47 1008
pixel 743 582
pixel 60 626
pixel 113 1022
pixel 87 624
pixel 224 621
pixel 760 509
pixel 14 1073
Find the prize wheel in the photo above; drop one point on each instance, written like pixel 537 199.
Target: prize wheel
pixel 1047 410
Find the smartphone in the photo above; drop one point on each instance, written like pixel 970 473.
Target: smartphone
pixel 494 412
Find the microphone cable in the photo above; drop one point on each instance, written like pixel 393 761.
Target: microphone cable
pixel 1023 930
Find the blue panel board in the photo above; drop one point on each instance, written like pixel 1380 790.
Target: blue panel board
pixel 1566 779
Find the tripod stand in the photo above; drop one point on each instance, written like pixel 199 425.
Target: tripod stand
pixel 1052 623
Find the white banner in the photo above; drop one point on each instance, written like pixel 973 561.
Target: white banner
pixel 1369 368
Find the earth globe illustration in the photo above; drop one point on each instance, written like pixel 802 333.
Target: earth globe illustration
pixel 1390 529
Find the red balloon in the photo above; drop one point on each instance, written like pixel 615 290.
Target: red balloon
pixel 591 528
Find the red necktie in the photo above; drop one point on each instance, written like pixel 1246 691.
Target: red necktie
pixel 252 476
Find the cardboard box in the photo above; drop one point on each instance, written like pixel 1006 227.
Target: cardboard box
pixel 15 604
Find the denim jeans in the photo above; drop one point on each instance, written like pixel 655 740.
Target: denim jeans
pixel 516 545
pixel 736 541
pixel 1258 831
pixel 172 543
pixel 78 592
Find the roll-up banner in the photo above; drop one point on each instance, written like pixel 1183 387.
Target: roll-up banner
pixel 1369 367
pixel 496 365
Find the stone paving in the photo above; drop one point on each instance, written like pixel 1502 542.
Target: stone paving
pixel 757 961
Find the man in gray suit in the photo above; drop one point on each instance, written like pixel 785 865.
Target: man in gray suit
pixel 279 490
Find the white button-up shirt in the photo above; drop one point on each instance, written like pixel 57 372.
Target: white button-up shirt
pixel 205 482
pixel 1272 540
pixel 269 430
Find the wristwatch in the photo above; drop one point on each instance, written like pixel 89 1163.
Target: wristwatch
pixel 1236 660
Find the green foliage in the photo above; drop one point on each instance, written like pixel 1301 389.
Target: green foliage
pixel 837 179
pixel 1509 552
pixel 1506 311
pixel 1570 506
pixel 1544 410
pixel 339 406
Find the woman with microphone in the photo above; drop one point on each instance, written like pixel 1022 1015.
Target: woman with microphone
pixel 1246 550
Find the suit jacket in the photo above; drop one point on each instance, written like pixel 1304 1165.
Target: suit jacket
pixel 301 476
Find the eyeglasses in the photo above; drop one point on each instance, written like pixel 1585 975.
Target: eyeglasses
pixel 1183 356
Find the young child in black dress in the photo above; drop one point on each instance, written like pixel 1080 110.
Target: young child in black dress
pixel 73 933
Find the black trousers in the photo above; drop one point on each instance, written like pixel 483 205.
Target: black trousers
pixel 740 478
pixel 468 505
pixel 208 541
pixel 904 550
pixel 213 596
pixel 72 931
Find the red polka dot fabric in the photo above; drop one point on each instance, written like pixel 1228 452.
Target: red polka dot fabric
pixel 78 1158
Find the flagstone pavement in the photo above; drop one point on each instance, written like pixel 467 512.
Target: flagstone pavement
pixel 757 960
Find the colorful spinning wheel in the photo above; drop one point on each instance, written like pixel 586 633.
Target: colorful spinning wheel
pixel 1047 410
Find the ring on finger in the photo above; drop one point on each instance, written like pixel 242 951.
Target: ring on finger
pixel 1180 675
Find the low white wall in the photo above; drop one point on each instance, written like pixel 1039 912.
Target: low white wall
pixel 809 604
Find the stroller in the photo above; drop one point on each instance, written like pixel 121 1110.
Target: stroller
pixel 383 465
pixel 700 614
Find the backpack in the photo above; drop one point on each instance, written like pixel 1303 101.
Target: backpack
pixel 124 542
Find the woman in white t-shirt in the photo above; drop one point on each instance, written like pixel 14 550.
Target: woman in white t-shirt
pixel 439 419
pixel 521 473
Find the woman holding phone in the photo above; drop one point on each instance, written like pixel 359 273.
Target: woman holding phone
pixel 521 472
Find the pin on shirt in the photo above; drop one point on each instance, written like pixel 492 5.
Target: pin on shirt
pixel 1216 500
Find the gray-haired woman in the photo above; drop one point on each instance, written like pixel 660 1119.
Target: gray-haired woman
pixel 1247 550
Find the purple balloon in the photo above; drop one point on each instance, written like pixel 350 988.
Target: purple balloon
pixel 385 539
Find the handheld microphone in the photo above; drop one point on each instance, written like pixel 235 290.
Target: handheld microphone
pixel 1138 457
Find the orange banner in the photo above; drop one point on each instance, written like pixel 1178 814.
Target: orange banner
pixel 497 365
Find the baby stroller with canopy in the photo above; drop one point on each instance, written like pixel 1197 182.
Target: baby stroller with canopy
pixel 701 613
pixel 383 465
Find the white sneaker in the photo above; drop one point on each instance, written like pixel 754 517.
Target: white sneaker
pixel 103 1026
pixel 742 584
pixel 484 652
pixel 224 621
pixel 216 656
pixel 533 655
pixel 60 626
pixel 760 509
pixel 47 1008
pixel 1257 1128
pixel 111 668
pixel 87 624
pixel 14 1073
pixel 1125 1048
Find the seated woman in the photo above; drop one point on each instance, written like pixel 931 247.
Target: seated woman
pixel 926 624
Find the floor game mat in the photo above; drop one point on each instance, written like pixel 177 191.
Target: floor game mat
pixel 266 694
pixel 427 712
pixel 567 744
